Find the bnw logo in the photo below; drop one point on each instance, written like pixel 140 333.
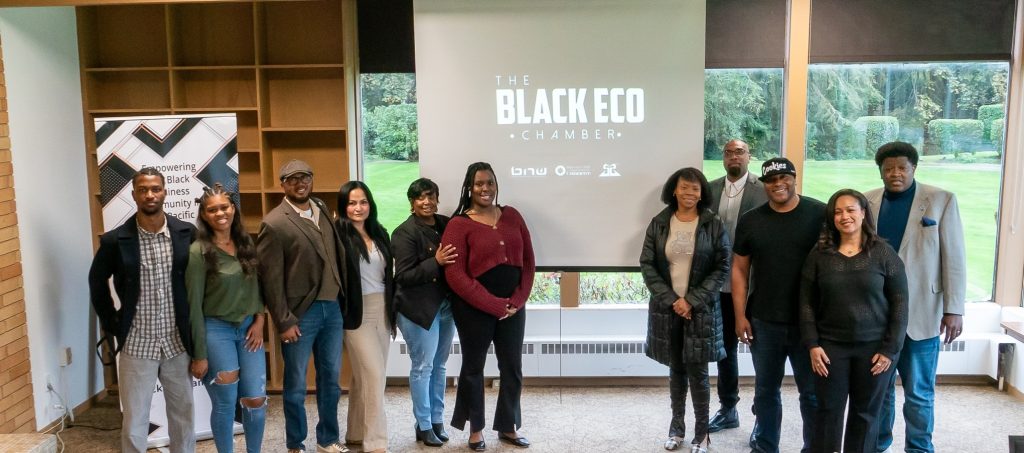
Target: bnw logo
pixel 529 171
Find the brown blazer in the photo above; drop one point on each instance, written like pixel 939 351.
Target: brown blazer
pixel 287 255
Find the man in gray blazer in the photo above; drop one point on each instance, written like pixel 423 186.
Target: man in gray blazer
pixel 742 192
pixel 922 223
pixel 302 275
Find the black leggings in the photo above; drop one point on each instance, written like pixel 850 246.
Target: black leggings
pixel 695 377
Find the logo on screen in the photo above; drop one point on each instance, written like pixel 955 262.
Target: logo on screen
pixel 529 171
pixel 609 170
pixel 565 114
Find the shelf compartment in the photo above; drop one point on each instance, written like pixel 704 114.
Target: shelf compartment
pixel 123 36
pixel 306 97
pixel 324 151
pixel 251 205
pixel 128 90
pixel 248 131
pixel 209 34
pixel 215 89
pixel 248 171
pixel 301 32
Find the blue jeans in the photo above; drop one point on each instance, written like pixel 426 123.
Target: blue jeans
pixel 916 367
pixel 322 334
pixel 225 344
pixel 428 351
pixel 773 343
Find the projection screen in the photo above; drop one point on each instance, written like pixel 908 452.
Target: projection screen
pixel 582 107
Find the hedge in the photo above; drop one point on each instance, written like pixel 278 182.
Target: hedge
pixel 986 114
pixel 954 136
pixel 862 139
pixel 996 128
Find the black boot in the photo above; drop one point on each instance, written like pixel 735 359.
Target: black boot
pixel 428 437
pixel 725 418
pixel 439 431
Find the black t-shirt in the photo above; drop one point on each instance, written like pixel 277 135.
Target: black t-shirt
pixel 777 244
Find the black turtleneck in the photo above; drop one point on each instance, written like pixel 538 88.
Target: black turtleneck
pixel 893 215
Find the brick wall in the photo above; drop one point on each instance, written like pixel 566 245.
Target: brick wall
pixel 17 414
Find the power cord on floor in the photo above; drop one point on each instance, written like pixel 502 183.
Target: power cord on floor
pixel 63 417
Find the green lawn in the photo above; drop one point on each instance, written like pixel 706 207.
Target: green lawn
pixel 976 187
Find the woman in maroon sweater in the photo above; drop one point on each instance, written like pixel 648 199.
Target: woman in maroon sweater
pixel 492 277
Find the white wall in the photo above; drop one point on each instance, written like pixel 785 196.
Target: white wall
pixel 40 50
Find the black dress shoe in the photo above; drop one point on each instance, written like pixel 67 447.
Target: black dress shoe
pixel 478 446
pixel 724 419
pixel 428 437
pixel 439 431
pixel 520 441
pixel 754 433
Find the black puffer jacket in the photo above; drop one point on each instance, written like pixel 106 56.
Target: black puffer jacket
pixel 702 335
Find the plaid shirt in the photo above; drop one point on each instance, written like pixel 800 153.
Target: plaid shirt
pixel 154 334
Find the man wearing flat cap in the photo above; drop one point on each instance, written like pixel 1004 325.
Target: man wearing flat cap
pixel 771 243
pixel 302 270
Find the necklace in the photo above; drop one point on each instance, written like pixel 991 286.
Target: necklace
pixel 227 242
pixel 481 217
pixel 849 251
pixel 732 191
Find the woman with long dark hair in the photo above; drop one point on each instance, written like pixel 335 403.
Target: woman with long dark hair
pixel 492 275
pixel 684 261
pixel 853 319
pixel 370 318
pixel 226 313
pixel 424 307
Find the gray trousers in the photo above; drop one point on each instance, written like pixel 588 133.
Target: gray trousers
pixel 136 380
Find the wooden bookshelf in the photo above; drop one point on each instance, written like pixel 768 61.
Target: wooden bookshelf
pixel 283 68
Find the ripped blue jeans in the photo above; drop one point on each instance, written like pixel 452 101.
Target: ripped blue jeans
pixel 226 353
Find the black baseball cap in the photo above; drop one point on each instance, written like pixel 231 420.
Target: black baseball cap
pixel 777 166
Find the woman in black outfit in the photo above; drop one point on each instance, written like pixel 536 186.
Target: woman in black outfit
pixel 684 262
pixel 853 318
pixel 424 308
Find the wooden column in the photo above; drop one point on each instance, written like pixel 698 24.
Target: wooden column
pixel 794 121
pixel 17 414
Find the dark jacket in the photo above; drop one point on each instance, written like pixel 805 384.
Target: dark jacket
pixel 420 286
pixel 702 335
pixel 354 283
pixel 119 257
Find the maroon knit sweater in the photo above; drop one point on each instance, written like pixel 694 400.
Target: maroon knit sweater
pixel 480 248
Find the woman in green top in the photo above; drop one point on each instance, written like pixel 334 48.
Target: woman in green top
pixel 226 314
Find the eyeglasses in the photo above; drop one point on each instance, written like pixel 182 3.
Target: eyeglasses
pixel 297 179
pixel 734 152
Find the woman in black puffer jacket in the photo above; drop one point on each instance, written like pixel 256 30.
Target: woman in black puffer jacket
pixel 684 262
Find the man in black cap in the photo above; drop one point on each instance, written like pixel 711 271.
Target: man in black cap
pixel 302 275
pixel 771 244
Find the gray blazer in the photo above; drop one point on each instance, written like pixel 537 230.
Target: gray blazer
pixel 933 254
pixel 753 194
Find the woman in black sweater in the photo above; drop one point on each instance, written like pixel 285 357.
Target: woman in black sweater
pixel 684 262
pixel 853 318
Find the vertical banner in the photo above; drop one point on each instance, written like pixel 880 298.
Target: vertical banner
pixel 192 151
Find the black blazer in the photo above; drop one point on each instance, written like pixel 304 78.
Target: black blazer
pixel 354 283
pixel 119 257
pixel 420 286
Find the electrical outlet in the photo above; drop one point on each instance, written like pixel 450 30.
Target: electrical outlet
pixel 64 356
pixel 50 383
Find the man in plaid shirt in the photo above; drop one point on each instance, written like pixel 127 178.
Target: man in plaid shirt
pixel 147 256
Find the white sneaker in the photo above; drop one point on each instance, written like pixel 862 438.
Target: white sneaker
pixel 336 447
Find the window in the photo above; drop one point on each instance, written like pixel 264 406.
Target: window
pixel 953 113
pixel 738 103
